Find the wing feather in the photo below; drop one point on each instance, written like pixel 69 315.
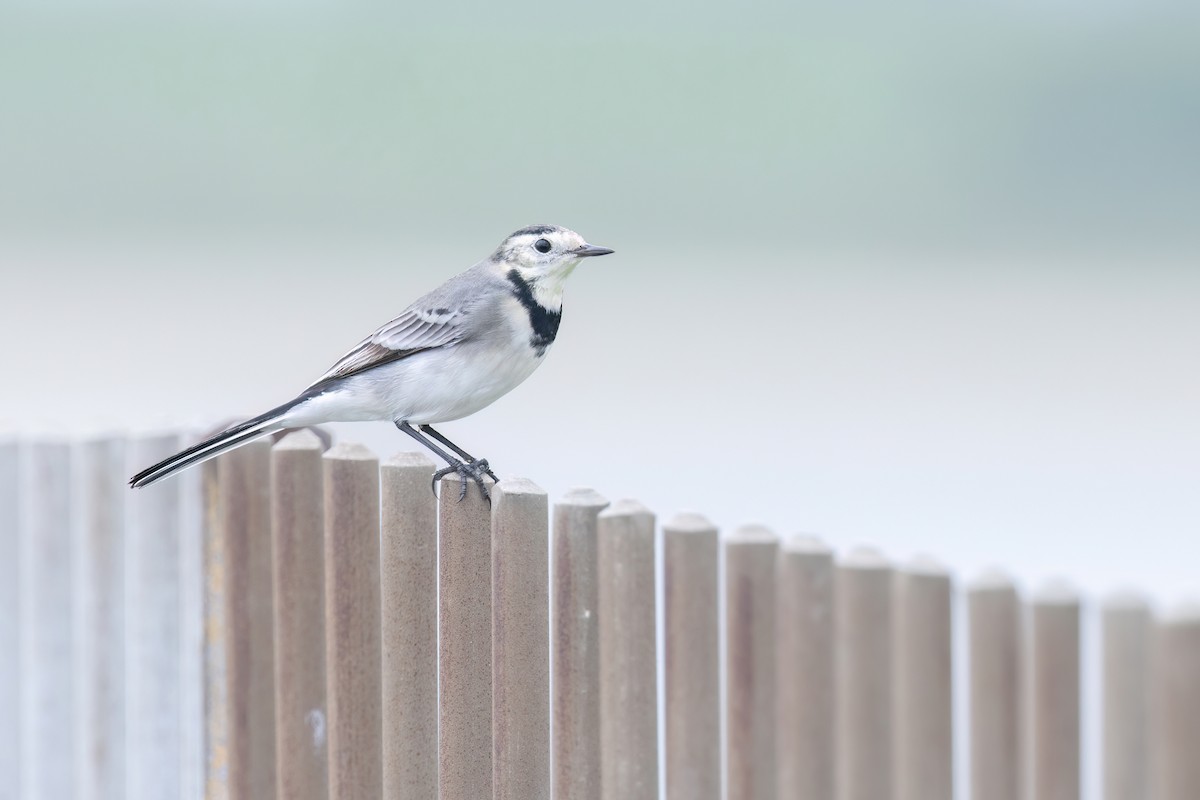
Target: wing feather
pixel 415 330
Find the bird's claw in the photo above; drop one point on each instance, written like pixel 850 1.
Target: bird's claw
pixel 476 471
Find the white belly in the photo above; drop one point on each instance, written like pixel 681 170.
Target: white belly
pixel 434 386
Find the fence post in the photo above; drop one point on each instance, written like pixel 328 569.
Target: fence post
pixel 153 614
pixel 805 670
pixel 1055 689
pixel 575 646
pixel 1177 705
pixel 216 590
pixel 1128 628
pixel 353 654
pixel 11 558
pixel 625 605
pixel 465 642
pixel 692 681
pixel 100 618
pixel 192 634
pixel 520 642
pixel 245 520
pixel 750 659
pixel 298 542
pixel 47 608
pixel 409 591
pixel 864 686
pixel 924 683
pixel 996 688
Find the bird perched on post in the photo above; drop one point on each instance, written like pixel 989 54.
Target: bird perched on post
pixel 451 353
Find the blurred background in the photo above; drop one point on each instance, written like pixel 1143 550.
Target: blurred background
pixel 923 277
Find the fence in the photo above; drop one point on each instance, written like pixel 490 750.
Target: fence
pixel 300 623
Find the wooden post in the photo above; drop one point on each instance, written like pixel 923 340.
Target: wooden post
pixel 625 596
pixel 100 620
pixel 244 478
pixel 924 683
pixel 693 740
pixel 298 542
pixel 520 642
pixel 1176 735
pixel 1055 687
pixel 48 642
pixel 216 637
pixel 409 586
pixel 353 655
pixel 192 633
pixel 11 560
pixel 154 614
pixel 864 688
pixel 465 642
pixel 750 659
pixel 805 674
pixel 1128 629
pixel 575 649
pixel 996 688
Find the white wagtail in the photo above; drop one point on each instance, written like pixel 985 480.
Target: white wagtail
pixel 452 352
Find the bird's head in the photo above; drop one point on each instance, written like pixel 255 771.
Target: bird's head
pixel 544 254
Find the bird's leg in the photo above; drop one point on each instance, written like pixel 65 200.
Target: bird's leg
pixel 481 463
pixel 471 471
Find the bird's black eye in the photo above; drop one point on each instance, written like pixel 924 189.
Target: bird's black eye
pixel 542 246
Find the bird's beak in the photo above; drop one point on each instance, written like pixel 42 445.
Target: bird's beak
pixel 591 250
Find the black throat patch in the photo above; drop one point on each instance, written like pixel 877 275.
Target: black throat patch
pixel 543 321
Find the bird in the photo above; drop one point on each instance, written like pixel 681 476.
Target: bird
pixel 452 352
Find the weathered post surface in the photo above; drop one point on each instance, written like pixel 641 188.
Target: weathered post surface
pixel 215 745
pixel 575 646
pixel 409 587
pixel 244 478
pixel 750 662
pixel 625 596
pixel 924 683
pixel 692 680
pixel 100 625
pixel 1176 715
pixel 805 677
pixel 464 642
pixel 191 632
pixel 353 655
pixel 864 688
pixel 11 558
pixel 47 620
pixel 1055 691
pixel 298 539
pixel 996 688
pixel 1128 639
pixel 154 615
pixel 520 642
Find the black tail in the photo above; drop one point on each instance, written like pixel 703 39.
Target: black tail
pixel 212 447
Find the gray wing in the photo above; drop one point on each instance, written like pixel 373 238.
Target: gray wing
pixel 439 319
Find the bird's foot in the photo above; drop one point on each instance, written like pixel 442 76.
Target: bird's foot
pixel 475 470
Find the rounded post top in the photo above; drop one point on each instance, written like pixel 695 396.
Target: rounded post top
pixel 582 496
pixel 512 487
pixel 807 544
pixel 301 439
pixel 992 580
pixel 753 534
pixel 349 451
pixel 1127 599
pixel 1186 614
pixel 411 459
pixel 865 558
pixel 1056 592
pixel 689 522
pixel 627 508
pixel 926 566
